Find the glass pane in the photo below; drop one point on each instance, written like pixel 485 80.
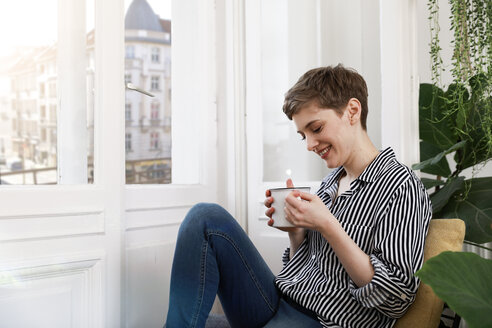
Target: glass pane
pixel 148 92
pixel 283 62
pixel 29 91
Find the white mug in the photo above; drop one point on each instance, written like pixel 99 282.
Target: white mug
pixel 279 195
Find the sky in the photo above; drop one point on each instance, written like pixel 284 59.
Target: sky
pixel 34 22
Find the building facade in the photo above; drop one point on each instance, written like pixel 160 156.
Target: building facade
pixel 148 119
pixel 30 109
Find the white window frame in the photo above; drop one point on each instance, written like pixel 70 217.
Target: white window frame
pixel 98 202
pixel 108 208
pixel 193 172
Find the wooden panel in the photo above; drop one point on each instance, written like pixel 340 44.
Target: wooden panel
pixel 155 217
pixel 148 277
pixel 52 294
pixel 59 224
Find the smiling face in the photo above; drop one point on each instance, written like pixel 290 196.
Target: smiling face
pixel 329 134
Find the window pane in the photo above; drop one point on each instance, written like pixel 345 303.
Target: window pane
pixel 283 62
pixel 148 113
pixel 30 57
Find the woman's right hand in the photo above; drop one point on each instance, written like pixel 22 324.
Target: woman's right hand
pixel 270 210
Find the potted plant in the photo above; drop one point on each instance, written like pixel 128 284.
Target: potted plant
pixel 456 123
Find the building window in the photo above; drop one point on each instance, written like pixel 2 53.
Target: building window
pixel 43 135
pixel 43 112
pixel 154 110
pixel 52 91
pixel 128 141
pixel 128 112
pixel 130 52
pixel 154 83
pixel 154 140
pixel 52 113
pixel 156 55
pixel 128 78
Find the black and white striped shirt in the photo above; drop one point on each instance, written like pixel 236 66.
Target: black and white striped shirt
pixel 386 212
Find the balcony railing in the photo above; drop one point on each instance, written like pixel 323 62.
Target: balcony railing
pixel 144 171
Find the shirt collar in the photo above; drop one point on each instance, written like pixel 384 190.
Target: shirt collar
pixel 377 166
pixel 331 178
pixel 370 173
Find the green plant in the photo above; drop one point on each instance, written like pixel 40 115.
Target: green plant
pixel 454 196
pixel 456 122
pixel 470 294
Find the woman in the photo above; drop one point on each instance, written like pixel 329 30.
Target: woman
pixel 355 246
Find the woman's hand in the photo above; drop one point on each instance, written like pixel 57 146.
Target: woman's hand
pixel 296 234
pixel 307 212
pixel 269 212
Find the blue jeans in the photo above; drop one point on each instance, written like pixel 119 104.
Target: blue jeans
pixel 214 256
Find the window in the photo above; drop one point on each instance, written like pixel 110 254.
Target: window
pixel 148 38
pixel 154 140
pixel 130 52
pixel 154 83
pixel 128 78
pixel 43 112
pixel 128 141
pixel 43 63
pixel 154 114
pixel 128 112
pixel 156 55
pixel 43 134
pixel 52 117
pixel 52 90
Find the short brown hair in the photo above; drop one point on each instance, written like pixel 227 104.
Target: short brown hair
pixel 332 87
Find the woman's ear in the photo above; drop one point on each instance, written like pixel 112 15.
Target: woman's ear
pixel 354 109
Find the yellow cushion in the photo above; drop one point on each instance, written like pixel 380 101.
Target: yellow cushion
pixel 444 235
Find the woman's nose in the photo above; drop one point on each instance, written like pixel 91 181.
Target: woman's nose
pixel 311 143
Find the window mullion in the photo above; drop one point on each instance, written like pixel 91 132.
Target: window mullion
pixel 72 93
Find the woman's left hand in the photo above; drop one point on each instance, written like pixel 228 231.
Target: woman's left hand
pixel 308 212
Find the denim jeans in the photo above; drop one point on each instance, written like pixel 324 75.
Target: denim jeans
pixel 214 256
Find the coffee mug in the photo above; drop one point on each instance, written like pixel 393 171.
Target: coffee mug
pixel 279 195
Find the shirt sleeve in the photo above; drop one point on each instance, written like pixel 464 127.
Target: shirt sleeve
pixel 398 252
pixel 286 256
pixel 300 251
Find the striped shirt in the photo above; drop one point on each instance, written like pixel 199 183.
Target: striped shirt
pixel 386 212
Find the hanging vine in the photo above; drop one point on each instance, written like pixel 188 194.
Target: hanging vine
pixel 468 98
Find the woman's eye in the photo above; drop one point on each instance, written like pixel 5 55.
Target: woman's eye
pixel 317 130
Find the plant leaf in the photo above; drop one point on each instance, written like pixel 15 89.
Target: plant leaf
pixel 428 151
pixel 464 282
pixel 436 124
pixel 429 183
pixel 441 198
pixel 437 158
pixel 475 209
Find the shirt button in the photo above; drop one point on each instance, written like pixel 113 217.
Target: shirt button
pixel 313 257
pixel 295 280
pixel 403 296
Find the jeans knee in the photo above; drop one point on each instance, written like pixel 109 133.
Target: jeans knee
pixel 200 215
